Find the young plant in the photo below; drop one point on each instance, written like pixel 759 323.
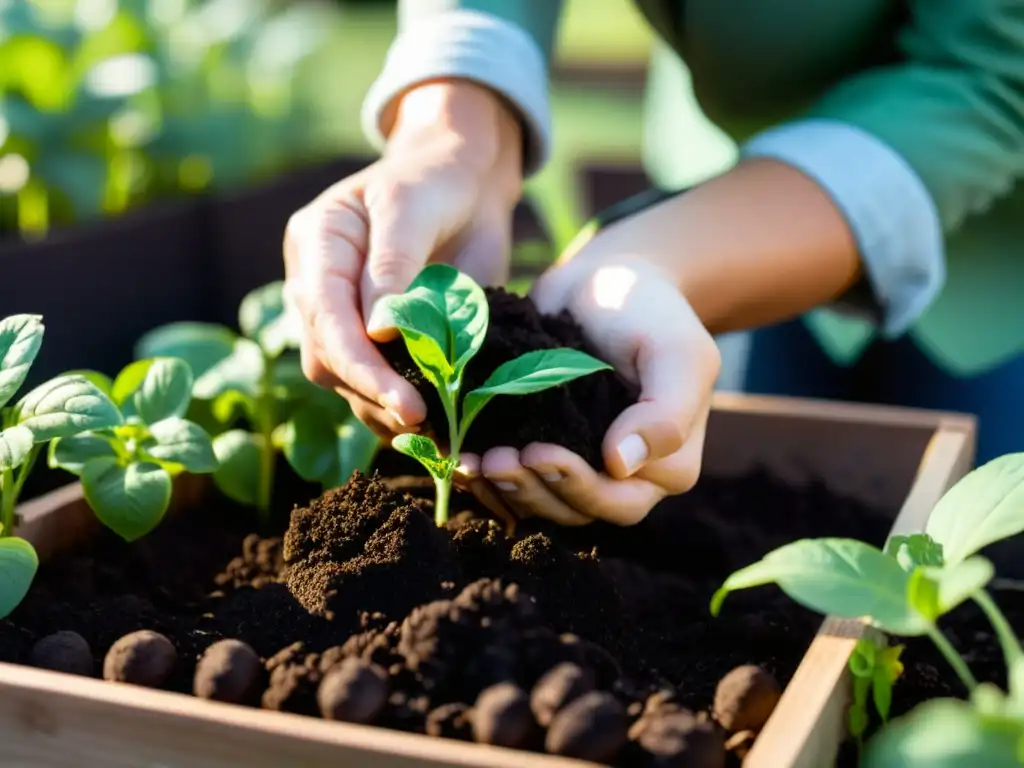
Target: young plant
pixel 875 667
pixel 58 409
pixel 256 377
pixel 443 319
pixel 126 470
pixel 905 590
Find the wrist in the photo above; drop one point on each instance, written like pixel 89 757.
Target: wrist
pixel 481 127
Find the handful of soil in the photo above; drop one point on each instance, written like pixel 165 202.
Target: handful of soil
pixel 575 415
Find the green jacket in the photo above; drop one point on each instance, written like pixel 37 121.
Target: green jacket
pixel 910 112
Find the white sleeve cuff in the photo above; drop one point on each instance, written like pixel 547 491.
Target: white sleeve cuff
pixel 474 46
pixel 889 210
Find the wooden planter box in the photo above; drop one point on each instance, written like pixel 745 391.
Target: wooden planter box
pixel 890 458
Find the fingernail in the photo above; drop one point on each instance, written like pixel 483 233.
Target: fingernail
pixel 552 477
pixel 633 452
pixel 505 485
pixel 465 471
pixel 378 320
pixel 395 415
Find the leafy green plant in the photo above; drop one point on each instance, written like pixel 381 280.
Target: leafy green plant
pixel 905 590
pixel 127 469
pixel 57 409
pixel 875 667
pixel 256 378
pixel 443 319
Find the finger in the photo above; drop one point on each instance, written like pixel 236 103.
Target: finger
pixel 523 491
pixel 620 502
pixel 468 477
pixel 401 239
pixel 679 472
pixel 676 379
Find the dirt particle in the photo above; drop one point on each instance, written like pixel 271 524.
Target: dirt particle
pixel 142 658
pixel 594 727
pixel 229 671
pixel 63 651
pixel 502 717
pixel 562 685
pixel 451 720
pixel 682 740
pixel 354 691
pixel 745 698
pixel 740 743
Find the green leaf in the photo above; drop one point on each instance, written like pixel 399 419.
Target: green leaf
pixel 72 453
pixel 103 382
pixel 943 733
pixel 464 305
pixel 242 371
pixel 529 373
pixel 933 592
pixel 238 454
pixel 129 380
pixel 65 406
pixel 858 713
pixel 325 450
pixel 227 406
pixel 21 336
pixel 913 550
pixel 424 450
pixel 165 391
pixel 18 566
pixel 443 314
pixel 179 441
pixel 985 506
pixel 841 577
pixel 131 500
pixel 262 317
pixel 201 345
pixel 15 446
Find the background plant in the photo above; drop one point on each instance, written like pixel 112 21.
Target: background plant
pixel 256 401
pixel 443 318
pixel 105 105
pixel 127 470
pixel 60 408
pixel 905 590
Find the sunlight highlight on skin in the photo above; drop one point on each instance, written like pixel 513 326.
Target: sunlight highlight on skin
pixel 612 285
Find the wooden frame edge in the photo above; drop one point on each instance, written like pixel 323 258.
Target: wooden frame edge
pixel 811 715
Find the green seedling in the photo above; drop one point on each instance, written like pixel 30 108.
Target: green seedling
pixel 258 401
pixel 904 590
pixel 58 409
pixel 875 667
pixel 127 469
pixel 443 319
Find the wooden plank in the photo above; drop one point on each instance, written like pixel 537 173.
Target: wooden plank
pixel 55 720
pixel 809 722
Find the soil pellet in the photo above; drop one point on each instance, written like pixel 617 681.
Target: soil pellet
pixel 450 721
pixel 142 658
pixel 502 716
pixel 63 651
pixel 682 740
pixel 559 687
pixel 354 691
pixel 229 671
pixel 593 727
pixel 745 699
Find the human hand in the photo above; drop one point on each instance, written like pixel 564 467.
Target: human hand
pixel 638 321
pixel 444 191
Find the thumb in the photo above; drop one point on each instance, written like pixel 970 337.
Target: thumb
pixel 674 388
pixel 400 243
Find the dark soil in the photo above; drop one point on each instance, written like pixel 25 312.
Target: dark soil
pixel 593 642
pixel 575 415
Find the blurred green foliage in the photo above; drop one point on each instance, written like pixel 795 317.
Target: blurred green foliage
pixel 108 104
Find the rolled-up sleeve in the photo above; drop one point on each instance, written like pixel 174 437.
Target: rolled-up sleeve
pixel 909 151
pixel 502 44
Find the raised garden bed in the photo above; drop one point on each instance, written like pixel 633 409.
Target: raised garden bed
pixel 775 470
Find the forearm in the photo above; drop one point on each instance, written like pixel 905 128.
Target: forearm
pixel 756 245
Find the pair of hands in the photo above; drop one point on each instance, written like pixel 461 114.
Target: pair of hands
pixel 440 194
